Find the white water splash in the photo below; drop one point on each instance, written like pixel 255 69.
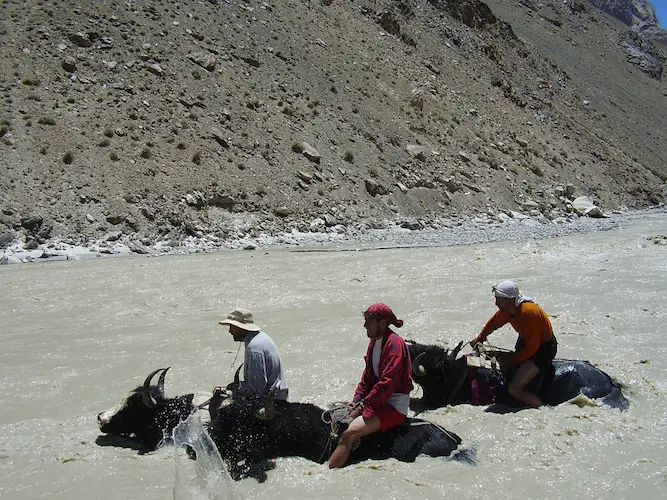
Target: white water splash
pixel 210 479
pixel 582 400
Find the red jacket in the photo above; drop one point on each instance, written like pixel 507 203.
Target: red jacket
pixel 395 373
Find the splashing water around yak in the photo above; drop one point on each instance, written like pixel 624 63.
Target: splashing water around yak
pixel 211 479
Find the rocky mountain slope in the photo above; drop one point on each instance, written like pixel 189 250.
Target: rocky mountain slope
pixel 155 120
pixel 638 14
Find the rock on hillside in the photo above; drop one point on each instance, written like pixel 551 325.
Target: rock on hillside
pixel 154 120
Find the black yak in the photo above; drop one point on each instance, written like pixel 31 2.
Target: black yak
pixel 250 431
pixel 446 380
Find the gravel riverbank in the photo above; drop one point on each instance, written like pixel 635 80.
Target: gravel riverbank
pixel 481 228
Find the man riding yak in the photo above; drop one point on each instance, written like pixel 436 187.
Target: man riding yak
pixel 250 425
pixel 531 375
pixel 382 397
pixel 536 346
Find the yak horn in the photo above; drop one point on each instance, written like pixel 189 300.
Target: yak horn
pixel 417 368
pixel 456 351
pixel 146 396
pixel 160 382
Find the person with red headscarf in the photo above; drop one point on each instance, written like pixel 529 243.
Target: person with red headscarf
pixel 383 394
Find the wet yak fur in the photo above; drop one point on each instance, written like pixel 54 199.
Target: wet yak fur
pixel 446 380
pixel 250 431
pixel 297 430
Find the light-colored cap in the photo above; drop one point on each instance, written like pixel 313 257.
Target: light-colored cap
pixel 241 318
pixel 506 289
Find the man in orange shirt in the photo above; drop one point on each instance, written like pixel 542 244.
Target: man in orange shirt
pixel 536 346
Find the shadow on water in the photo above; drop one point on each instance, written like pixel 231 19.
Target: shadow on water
pixel 419 406
pixel 121 442
pixel 211 479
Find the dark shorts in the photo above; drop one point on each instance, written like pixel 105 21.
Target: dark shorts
pixel 545 355
pixel 389 417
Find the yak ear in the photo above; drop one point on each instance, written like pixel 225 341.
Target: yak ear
pixel 417 368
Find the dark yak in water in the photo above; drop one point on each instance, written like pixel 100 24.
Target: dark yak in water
pixel 446 380
pixel 250 431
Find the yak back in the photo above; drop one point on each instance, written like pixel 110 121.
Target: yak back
pixel 297 430
pixel 406 442
pixel 573 377
pixel 565 380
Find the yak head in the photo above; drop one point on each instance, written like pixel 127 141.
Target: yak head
pixel 436 370
pixel 145 414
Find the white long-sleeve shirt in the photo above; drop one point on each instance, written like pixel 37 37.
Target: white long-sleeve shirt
pixel 263 367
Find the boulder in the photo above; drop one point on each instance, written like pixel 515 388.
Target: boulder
pixel 310 152
pixel 195 199
pixel 6 239
pixel 330 220
pixel 412 225
pixel 222 201
pixel 32 222
pixel 116 219
pixel 416 151
pixel 80 40
pixel 69 64
pixel 220 138
pixel 305 176
pixel 112 236
pixel 204 58
pixel 9 259
pixel 137 247
pixel 584 206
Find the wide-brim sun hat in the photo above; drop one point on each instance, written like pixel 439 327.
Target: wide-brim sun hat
pixel 241 318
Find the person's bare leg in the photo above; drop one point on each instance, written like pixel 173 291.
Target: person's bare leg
pixel 358 428
pixel 527 371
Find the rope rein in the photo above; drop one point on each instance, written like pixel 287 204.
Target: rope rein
pixel 459 385
pixel 329 417
pixel 491 353
pixel 237 355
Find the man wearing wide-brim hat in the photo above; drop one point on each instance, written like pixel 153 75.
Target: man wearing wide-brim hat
pixel 263 369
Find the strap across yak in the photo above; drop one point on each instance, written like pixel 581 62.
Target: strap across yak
pixel 413 423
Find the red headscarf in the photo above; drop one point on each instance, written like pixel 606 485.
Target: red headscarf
pixel 383 311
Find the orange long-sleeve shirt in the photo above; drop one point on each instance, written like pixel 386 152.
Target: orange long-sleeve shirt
pixel 532 324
